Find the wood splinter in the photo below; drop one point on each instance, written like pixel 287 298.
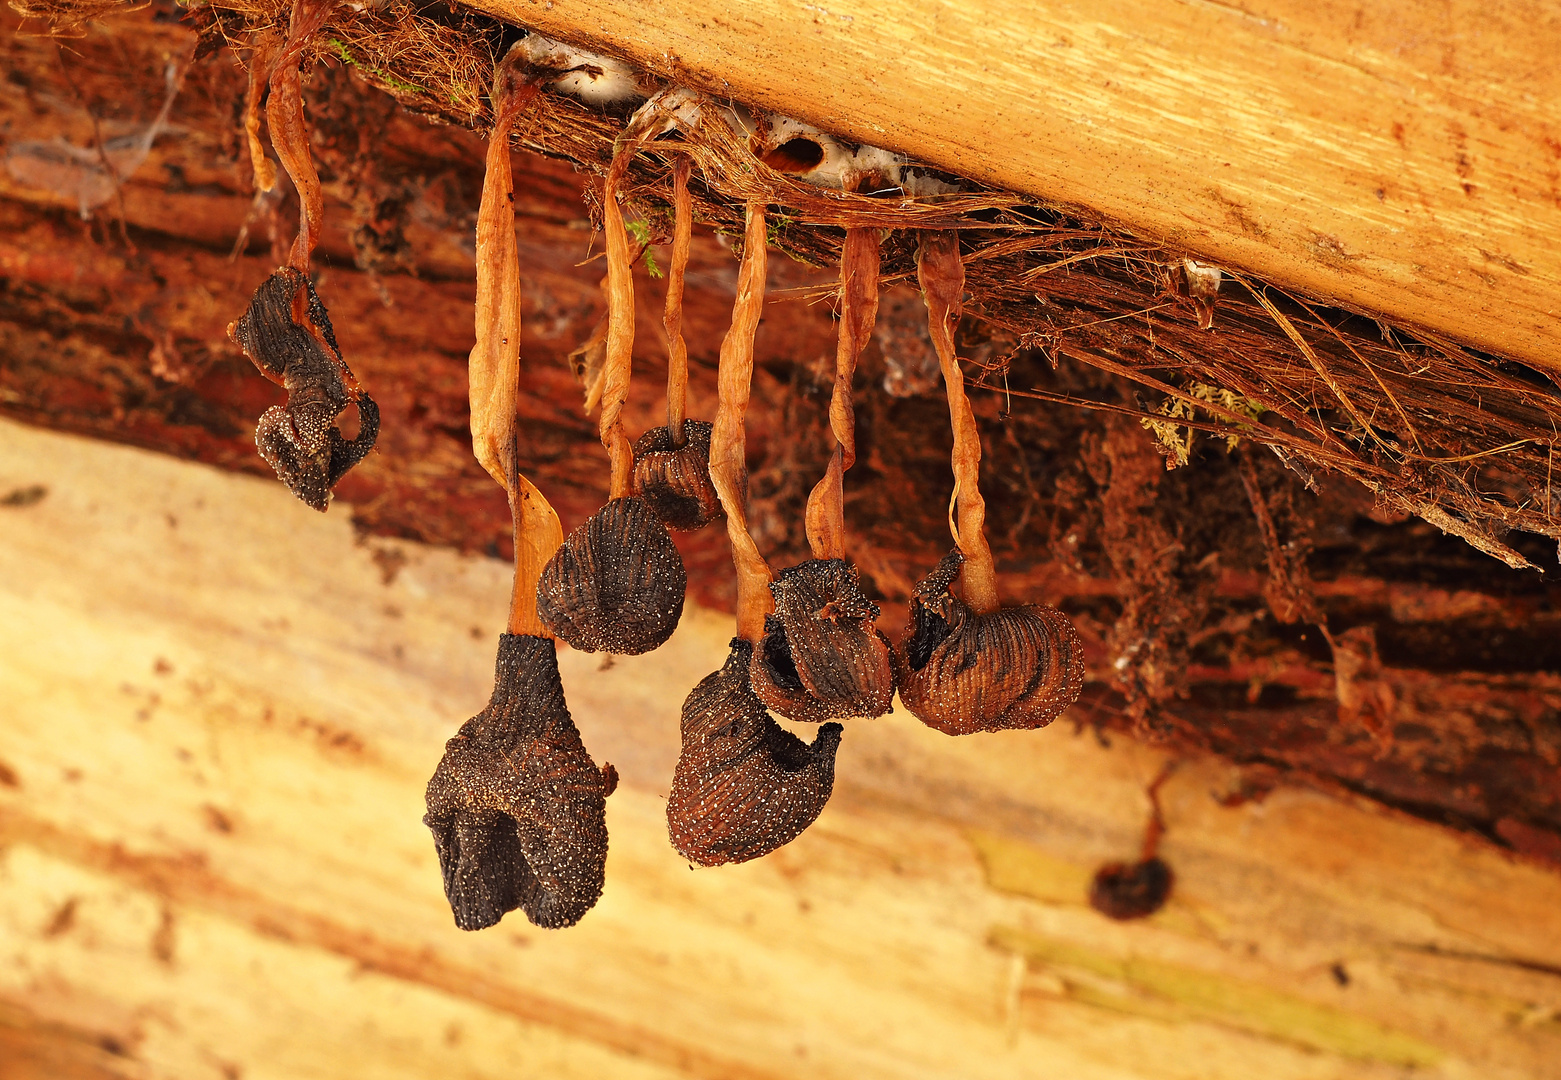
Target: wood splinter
pixel 744 785
pixel 822 656
pixel 516 805
pixel 966 663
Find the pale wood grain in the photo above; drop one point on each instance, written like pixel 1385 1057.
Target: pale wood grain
pixel 1399 158
pixel 217 717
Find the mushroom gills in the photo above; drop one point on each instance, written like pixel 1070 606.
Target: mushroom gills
pixel 674 480
pixel 744 785
pixel 516 806
pixel 617 583
pixel 821 657
pixel 286 333
pixel 963 672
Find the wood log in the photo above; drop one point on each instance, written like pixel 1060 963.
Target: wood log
pixel 220 710
pixel 1401 160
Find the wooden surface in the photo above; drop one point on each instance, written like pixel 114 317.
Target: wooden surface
pixel 217 713
pixel 1401 158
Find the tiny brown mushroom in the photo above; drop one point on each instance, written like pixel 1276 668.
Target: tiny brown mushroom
pixel 617 583
pixel 287 334
pixel 963 672
pixel 675 480
pixel 822 658
pixel 744 785
pixel 516 806
pixel 1123 890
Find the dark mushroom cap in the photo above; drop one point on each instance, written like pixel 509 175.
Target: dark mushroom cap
pixel 300 440
pixel 516 805
pixel 744 785
pixel 961 672
pixel 821 657
pixel 675 480
pixel 1131 890
pixel 617 583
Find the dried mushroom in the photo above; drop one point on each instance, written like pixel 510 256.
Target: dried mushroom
pixel 1122 890
pixel 286 332
pixel 675 480
pixel 966 663
pixel 672 463
pixel 821 657
pixel 516 805
pixel 744 785
pixel 617 583
pixel 963 671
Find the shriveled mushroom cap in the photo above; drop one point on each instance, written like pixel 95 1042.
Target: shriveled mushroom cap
pixel 300 440
pixel 673 480
pixel 516 805
pixel 961 672
pixel 1131 890
pixel 617 583
pixel 821 657
pixel 744 785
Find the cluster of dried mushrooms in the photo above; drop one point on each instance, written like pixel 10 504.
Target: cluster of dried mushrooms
pixel 516 805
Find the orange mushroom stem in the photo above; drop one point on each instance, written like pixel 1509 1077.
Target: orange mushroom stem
pixel 728 461
pixel 289 130
pixel 942 277
pixel 677 349
pixel 494 364
pixel 859 266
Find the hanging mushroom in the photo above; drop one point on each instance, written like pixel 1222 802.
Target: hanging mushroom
pixel 743 785
pixel 286 332
pixel 617 583
pixel 1122 890
pixel 672 463
pixel 516 806
pixel 822 657
pixel 966 663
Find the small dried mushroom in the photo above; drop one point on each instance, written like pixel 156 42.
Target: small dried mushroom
pixel 967 664
pixel 617 584
pixel 821 657
pixel 516 806
pixel 1122 890
pixel 744 785
pixel 672 463
pixel 286 332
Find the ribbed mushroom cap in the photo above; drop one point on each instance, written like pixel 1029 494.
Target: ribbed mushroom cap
pixel 675 480
pixel 821 657
pixel 744 785
pixel 617 583
pixel 516 805
pixel 961 672
pixel 300 440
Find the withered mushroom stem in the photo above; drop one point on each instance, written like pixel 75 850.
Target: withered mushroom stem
pixel 728 463
pixel 263 45
pixel 942 277
pixel 620 329
pixel 825 518
pixel 493 368
pixel 677 350
pixel 289 131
